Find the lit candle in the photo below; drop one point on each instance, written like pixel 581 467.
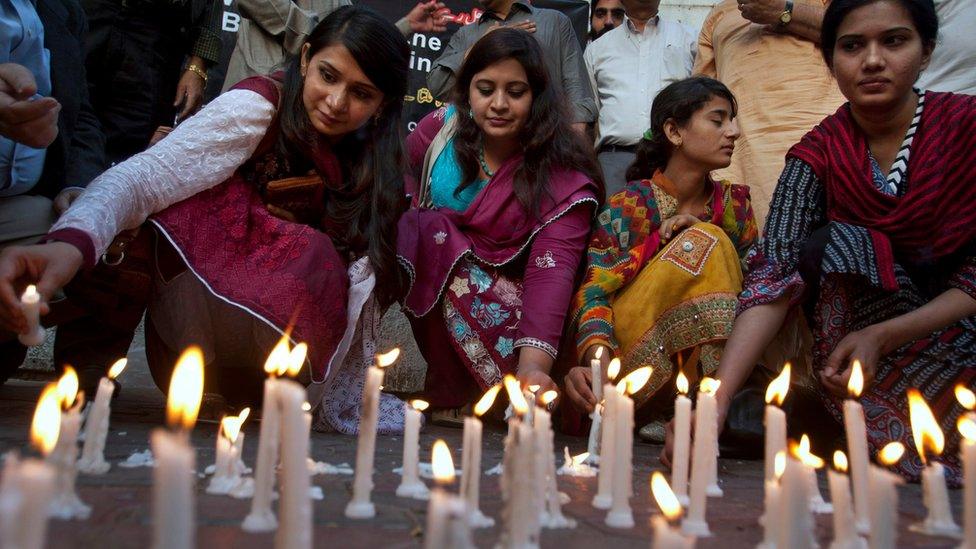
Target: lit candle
pixel 604 494
pixel 66 504
pixel 30 305
pixel 703 457
pixel 447 523
pixel 261 517
pixel 967 454
pixel 173 497
pixel 682 440
pixel 928 436
pixel 28 485
pixel 796 521
pixel 621 515
pixel 596 385
pixel 770 519
pixel 471 460
pixel 812 463
pixel 775 419
pixel 520 514
pixel 410 484
pixel 857 447
pixel 92 459
pixel 295 504
pixel 883 493
pixel 845 531
pixel 360 506
pixel 230 442
pixel 665 536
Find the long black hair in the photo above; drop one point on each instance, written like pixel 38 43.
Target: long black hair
pixel 677 102
pixel 361 212
pixel 922 12
pixel 548 140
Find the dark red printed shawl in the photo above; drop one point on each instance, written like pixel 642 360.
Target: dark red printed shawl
pixel 936 216
pixel 284 273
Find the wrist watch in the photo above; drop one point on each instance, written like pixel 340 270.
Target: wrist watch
pixel 787 15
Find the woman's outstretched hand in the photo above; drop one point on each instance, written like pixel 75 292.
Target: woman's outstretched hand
pixel 48 266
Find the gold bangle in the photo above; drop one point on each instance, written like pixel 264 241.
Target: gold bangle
pixel 197 70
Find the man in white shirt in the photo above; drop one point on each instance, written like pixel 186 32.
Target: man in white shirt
pixel 953 64
pixel 627 67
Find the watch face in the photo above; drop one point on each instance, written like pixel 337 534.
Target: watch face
pixel 785 18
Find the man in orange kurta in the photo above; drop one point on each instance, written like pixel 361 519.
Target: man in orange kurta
pixel 780 80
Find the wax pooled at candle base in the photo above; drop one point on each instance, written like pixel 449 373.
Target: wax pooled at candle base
pixel 66 504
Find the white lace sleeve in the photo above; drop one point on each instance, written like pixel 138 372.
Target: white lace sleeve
pixel 201 152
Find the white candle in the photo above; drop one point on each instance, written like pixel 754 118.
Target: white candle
pixel 857 448
pixel 596 374
pixel 845 530
pixel 92 459
pixel 775 419
pixel 228 466
pixel 666 537
pixel 447 523
pixel 471 461
pixel 930 441
pixel 410 484
pixel 604 494
pixel 552 512
pixel 884 508
pixel 796 526
pixel 967 454
pixel 261 518
pixel 361 506
pixel 703 457
pixel 682 441
pixel 173 497
pixel 621 515
pixel 593 441
pixel 770 519
pixel 295 504
pixel 30 305
pixel 173 494
pixel 66 504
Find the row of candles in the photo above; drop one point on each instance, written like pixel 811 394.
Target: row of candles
pixel 531 497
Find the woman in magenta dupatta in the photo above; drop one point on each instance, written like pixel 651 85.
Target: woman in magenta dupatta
pixel 872 233
pixel 276 211
pixel 506 194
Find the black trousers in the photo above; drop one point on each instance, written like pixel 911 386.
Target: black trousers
pixel 134 56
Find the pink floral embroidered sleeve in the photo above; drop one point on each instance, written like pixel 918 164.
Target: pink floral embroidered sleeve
pixel 550 278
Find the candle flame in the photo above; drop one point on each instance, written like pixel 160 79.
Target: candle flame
pixel 487 399
pixel 802 452
pixel 67 387
pixel 277 362
pixel 185 389
pixel 891 453
pixel 664 496
pixel 613 369
pixel 925 429
pixel 117 368
pixel 779 464
pixel 231 427
pixel 306 407
pixel 245 413
pixel 419 405
pixel 30 294
pixel 515 395
pixel 778 387
pixel 856 382
pixel 682 383
pixel 388 357
pixel 578 460
pixel 635 381
pixel 967 427
pixel 599 353
pixel 966 398
pixel 46 425
pixel 709 385
pixel 442 463
pixel 840 461
pixel 548 397
pixel 296 359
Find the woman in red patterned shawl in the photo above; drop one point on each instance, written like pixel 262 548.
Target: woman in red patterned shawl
pixel 872 231
pixel 275 207
pixel 507 191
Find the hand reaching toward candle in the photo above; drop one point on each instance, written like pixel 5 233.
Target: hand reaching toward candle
pixel 51 265
pixel 867 345
pixel 579 380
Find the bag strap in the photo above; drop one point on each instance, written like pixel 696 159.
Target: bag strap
pixel 434 150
